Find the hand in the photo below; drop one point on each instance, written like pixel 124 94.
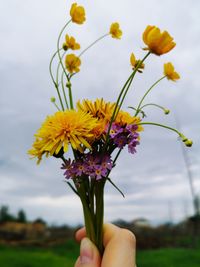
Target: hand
pixel 119 249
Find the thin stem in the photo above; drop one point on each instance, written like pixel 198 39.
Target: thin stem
pixel 115 109
pixel 63 89
pixel 50 66
pixel 60 59
pixel 70 96
pixel 116 157
pixel 56 106
pixel 99 214
pixel 100 38
pixel 127 84
pixel 58 67
pixel 140 111
pixel 89 224
pixel 151 104
pixel 147 92
pixel 51 74
pixel 161 125
pixel 137 67
pixel 109 180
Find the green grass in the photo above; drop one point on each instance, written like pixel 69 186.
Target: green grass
pixel 169 258
pixel 57 256
pixel 65 256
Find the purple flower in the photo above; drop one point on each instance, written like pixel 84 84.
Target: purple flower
pixel 131 128
pixel 79 168
pixel 99 172
pixel 93 165
pixel 132 145
pixel 90 162
pixel 68 167
pixel 120 140
pixel 114 130
pixel 107 162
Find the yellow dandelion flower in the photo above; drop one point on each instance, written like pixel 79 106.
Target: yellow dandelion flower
pixel 124 118
pixel 70 43
pixel 157 43
pixel 77 14
pixel 115 30
pixel 104 111
pixel 135 63
pixel 170 72
pixel 72 63
pixel 61 129
pixel 98 108
pixel 37 150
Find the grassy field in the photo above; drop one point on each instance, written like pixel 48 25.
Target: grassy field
pixel 65 255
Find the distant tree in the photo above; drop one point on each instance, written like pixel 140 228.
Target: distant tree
pixel 21 216
pixel 39 220
pixel 5 216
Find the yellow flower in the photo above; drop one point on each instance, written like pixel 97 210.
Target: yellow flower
pixel 77 13
pixel 104 110
pixel 70 43
pixel 98 108
pixel 135 63
pixel 115 30
pixel 170 73
pixel 157 42
pixel 124 118
pixel 61 129
pixel 72 63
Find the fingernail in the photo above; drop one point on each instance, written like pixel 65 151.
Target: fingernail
pixel 86 251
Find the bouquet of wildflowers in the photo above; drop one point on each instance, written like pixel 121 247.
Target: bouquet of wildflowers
pixel 96 131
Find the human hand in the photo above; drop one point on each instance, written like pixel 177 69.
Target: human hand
pixel 119 249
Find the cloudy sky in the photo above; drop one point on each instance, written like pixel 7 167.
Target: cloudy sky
pixel 154 180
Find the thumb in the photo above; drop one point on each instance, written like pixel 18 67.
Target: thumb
pixel 89 255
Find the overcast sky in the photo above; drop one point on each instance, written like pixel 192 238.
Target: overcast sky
pixel 154 180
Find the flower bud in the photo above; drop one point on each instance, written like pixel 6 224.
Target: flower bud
pixel 188 143
pixel 64 46
pixel 53 100
pixel 166 111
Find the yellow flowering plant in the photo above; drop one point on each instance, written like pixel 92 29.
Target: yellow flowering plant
pixel 96 131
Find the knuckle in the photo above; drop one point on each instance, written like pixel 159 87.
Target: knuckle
pixel 129 236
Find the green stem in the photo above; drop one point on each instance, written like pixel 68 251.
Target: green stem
pixel 117 108
pixel 116 157
pixel 60 59
pixel 109 180
pixel 89 223
pixel 126 91
pixel 63 89
pixel 56 106
pixel 147 92
pixel 50 66
pixel 161 125
pixel 151 104
pixel 100 38
pixel 58 67
pixel 51 74
pixel 69 86
pixel 99 194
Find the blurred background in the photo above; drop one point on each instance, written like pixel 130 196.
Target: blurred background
pixel 161 182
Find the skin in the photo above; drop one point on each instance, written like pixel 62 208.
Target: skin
pixel 119 249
